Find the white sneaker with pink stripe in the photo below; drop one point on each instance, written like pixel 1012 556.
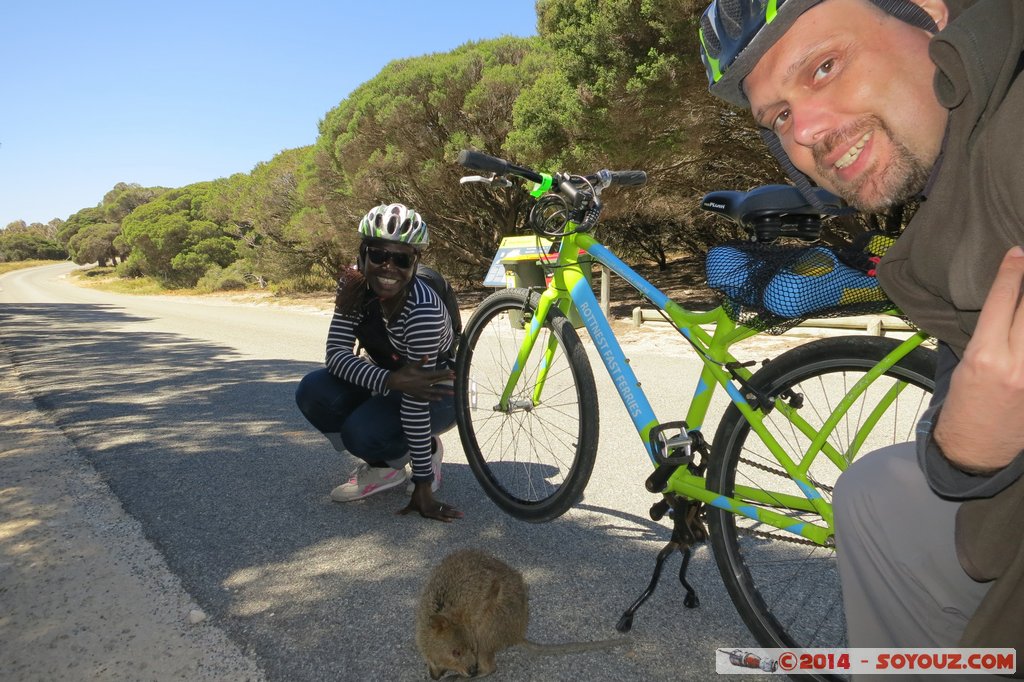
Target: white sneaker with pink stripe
pixel 367 480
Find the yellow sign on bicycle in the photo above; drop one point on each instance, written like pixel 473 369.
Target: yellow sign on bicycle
pixel 526 247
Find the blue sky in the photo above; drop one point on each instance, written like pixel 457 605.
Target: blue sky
pixel 93 93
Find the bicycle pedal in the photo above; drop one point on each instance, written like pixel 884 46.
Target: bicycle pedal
pixel 666 450
pixel 680 451
pixel 679 460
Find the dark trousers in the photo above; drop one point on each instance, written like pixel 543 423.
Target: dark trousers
pixel 353 418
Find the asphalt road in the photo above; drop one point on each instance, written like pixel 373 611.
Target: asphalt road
pixel 182 409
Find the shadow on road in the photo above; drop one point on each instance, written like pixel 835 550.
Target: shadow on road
pixel 208 451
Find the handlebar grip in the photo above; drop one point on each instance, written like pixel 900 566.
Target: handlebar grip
pixel 627 178
pixel 483 162
pixel 492 164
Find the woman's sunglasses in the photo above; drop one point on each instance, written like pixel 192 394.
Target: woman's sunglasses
pixel 402 261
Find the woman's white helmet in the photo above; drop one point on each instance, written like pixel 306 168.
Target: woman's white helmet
pixel 395 223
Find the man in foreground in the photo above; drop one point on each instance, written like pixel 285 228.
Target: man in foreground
pixel 882 101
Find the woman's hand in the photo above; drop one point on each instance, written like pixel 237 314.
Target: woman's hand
pixel 980 427
pixel 419 382
pixel 423 501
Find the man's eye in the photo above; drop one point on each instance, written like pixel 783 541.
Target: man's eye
pixel 780 120
pixel 824 70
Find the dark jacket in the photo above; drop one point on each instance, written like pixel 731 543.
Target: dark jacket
pixel 940 270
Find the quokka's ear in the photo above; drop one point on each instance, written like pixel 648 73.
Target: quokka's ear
pixel 439 623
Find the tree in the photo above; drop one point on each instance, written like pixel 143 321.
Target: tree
pixel 101 243
pixel 125 198
pixel 78 220
pixel 20 241
pixel 94 243
pixel 172 240
pixel 397 137
pixel 279 220
pixel 643 104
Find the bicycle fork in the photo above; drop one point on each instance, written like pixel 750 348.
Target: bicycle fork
pixel 687 524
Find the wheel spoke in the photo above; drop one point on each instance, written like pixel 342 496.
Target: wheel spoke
pixel 785 587
pixel 534 459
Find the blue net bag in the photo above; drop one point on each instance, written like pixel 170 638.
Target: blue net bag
pixel 772 288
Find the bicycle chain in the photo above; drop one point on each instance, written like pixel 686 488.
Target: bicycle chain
pixel 783 537
pixel 700 518
pixel 787 537
pixel 780 537
pixel 698 526
pixel 780 472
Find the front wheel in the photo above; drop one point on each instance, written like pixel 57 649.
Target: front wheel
pixel 786 588
pixel 533 456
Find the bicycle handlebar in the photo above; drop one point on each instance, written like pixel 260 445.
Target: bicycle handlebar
pixel 564 201
pixel 626 178
pixel 492 164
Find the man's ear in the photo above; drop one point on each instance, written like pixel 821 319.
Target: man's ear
pixel 937 10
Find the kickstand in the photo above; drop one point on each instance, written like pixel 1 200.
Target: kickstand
pixel 686 530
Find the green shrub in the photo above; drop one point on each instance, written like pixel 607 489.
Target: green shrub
pixel 221 279
pixel 130 267
pixel 304 284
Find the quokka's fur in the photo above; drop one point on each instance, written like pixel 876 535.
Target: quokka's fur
pixel 473 606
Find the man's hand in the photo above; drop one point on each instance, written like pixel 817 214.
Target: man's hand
pixel 420 382
pixel 423 501
pixel 981 423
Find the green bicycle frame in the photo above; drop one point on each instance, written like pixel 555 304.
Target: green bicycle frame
pixel 569 288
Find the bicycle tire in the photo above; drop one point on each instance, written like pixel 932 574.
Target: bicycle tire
pixel 788 593
pixel 535 460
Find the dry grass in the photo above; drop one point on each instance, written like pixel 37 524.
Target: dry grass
pixel 682 280
pixel 21 264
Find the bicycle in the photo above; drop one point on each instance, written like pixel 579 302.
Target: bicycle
pixel 527 411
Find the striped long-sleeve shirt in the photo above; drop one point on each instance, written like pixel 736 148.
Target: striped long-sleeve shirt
pixel 422 329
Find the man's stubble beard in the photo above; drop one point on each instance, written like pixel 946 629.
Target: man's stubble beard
pixel 876 191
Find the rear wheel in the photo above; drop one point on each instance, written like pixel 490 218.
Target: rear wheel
pixel 535 457
pixel 786 588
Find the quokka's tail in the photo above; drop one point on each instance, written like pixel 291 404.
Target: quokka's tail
pixel 574 647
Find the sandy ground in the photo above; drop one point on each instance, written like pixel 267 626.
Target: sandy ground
pixel 83 595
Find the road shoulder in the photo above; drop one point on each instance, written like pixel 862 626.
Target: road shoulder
pixel 83 595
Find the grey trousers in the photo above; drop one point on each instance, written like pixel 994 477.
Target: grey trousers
pixel 902 583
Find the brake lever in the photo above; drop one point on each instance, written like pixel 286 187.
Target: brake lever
pixel 494 180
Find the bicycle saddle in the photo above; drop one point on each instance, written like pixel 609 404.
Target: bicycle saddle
pixel 771 211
